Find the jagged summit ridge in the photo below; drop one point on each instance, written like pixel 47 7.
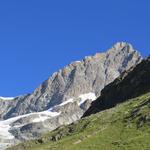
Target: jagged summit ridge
pixel 116 48
pixel 120 45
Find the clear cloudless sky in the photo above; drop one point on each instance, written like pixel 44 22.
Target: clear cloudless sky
pixel 38 37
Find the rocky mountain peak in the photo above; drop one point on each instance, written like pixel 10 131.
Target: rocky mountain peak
pixel 122 48
pixel 91 74
pixel 66 95
pixel 121 45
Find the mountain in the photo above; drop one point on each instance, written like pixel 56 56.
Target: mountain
pixel 65 96
pixel 90 75
pixel 132 83
pixel 122 120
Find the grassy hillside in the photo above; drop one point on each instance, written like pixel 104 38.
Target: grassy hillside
pixel 124 127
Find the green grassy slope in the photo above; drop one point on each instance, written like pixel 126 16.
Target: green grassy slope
pixel 124 127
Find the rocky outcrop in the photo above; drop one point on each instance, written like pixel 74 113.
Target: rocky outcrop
pixel 131 83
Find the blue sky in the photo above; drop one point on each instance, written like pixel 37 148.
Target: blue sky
pixel 38 37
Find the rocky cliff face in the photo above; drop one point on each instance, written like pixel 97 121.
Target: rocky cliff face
pixel 66 95
pixel 131 83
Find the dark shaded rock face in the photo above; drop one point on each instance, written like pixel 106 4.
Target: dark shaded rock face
pixel 130 84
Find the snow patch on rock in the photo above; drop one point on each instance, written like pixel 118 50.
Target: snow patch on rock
pixel 7 98
pixel 45 115
pixel 5 126
pixel 84 97
pixel 71 100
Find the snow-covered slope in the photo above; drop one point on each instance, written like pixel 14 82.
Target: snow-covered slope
pixel 8 126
